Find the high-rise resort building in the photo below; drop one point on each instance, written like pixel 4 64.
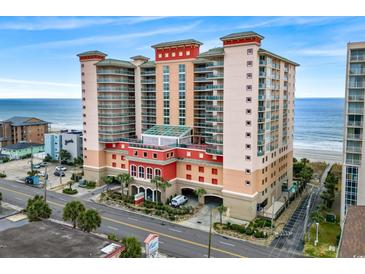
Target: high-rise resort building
pixel 353 173
pixel 220 120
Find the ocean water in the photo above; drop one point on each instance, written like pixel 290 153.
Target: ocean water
pixel 318 122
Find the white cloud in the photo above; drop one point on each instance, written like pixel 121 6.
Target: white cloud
pixel 102 39
pixel 67 23
pixel 321 52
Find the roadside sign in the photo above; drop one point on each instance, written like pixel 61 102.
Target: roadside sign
pixel 139 198
pixel 152 244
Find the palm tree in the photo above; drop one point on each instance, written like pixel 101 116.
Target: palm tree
pixel 125 180
pixel 89 220
pixel 221 209
pixel 160 183
pixel 72 211
pixel 132 248
pixel 108 180
pixel 37 209
pixel 200 192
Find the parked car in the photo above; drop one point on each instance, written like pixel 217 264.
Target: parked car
pixel 59 173
pixel 179 201
pixel 82 183
pixel 37 166
pixel 61 168
pixel 43 164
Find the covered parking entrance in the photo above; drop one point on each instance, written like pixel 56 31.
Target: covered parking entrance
pixel 190 194
pixel 213 200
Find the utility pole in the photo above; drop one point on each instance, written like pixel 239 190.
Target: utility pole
pixel 316 241
pixel 210 232
pixel 31 157
pixel 45 183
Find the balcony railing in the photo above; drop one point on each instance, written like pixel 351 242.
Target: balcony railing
pixel 354 136
pixel 353 161
pixel 214 108
pixel 114 72
pixel 355 110
pixel 201 69
pixel 359 71
pixel 358 98
pixel 116 106
pixel 216 98
pixel 115 98
pixel 354 123
pixel 357 58
pixel 214 151
pixel 114 132
pixel 215 64
pixel 116 115
pixel 353 149
pixel 215 119
pixel 114 81
pixel 116 123
pixel 114 89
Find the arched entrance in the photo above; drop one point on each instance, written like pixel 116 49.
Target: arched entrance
pixel 141 189
pixel 213 200
pixel 134 190
pixel 149 195
pixel 190 194
pixel 157 195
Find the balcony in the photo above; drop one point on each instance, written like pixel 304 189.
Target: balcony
pixel 215 98
pixel 353 136
pixel 199 97
pixel 116 123
pixel 359 71
pixel 260 153
pixel 215 76
pixel 116 106
pixel 201 69
pixel 353 162
pixel 116 115
pixel 146 113
pixel 115 98
pixel 148 81
pixel 214 108
pixel 202 79
pixel 353 149
pixel 198 106
pixel 214 119
pixel 114 132
pixel 114 89
pixel 354 123
pixel 356 85
pixel 214 129
pixel 355 110
pixel 214 87
pixel 148 89
pixel 115 72
pixel 214 151
pixel 357 58
pixel 153 106
pixel 263 62
pixel 216 64
pixel 114 81
pixel 213 141
pixel 356 98
pixel 262 86
pixel 148 72
pixel 261 108
pixel 145 97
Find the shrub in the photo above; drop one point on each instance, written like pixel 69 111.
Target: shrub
pixel 90 184
pixel 70 191
pixel 260 234
pixel 172 217
pixel 113 237
pixel 249 231
pixel 37 209
pixel 2 175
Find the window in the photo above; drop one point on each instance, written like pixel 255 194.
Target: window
pixel 141 172
pixel 249 75
pixel 188 167
pixel 133 170
pixel 166 55
pixel 188 176
pixel 249 63
pixel 159 55
pixel 114 164
pixel 123 146
pixel 182 68
pixel 201 155
pixel 157 172
pixel 201 169
pixel 249 51
pixel 248 111
pixel 248 157
pixel 154 155
pixel 188 53
pixel 114 156
pixel 122 157
pixel 248 123
pixel 201 179
pixel 248 87
pixel 173 54
pixel 248 134
pixel 247 183
pixel 248 146
pixel 149 173
pixel 214 171
pixel 215 181
pixel 188 154
pixel 180 53
pixel 135 153
pixel 248 171
pixel 122 166
pixel 248 99
pixel 145 154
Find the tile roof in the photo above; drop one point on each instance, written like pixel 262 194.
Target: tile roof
pixel 92 52
pixel 24 121
pixel 140 57
pixel 353 236
pixel 264 51
pixel 177 43
pixel 241 35
pixel 212 52
pixel 166 130
pixel 115 62
pixel 149 64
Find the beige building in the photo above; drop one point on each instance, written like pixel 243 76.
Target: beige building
pixel 353 190
pixel 221 120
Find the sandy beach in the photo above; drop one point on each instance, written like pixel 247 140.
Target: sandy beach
pixel 329 156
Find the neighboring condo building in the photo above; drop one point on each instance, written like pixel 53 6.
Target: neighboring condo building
pixel 22 129
pixel 69 140
pixel 353 173
pixel 221 120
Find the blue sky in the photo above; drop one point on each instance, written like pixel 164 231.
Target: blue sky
pixel 39 60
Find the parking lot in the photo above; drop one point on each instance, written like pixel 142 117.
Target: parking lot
pixel 17 170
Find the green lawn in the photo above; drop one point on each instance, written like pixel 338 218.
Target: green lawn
pixel 327 236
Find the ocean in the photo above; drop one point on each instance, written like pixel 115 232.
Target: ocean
pixel 318 122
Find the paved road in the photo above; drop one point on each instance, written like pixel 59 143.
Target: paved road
pixel 175 240
pixel 292 237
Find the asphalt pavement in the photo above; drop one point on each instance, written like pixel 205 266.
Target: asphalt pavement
pixel 175 240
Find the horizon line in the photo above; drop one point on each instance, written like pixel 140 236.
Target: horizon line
pixel 81 98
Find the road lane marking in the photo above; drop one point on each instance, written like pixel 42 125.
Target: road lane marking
pixel 227 243
pixel 112 227
pixel 133 219
pixel 16 198
pixel 139 227
pixel 176 230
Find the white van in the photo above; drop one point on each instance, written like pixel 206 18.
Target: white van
pixel 179 200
